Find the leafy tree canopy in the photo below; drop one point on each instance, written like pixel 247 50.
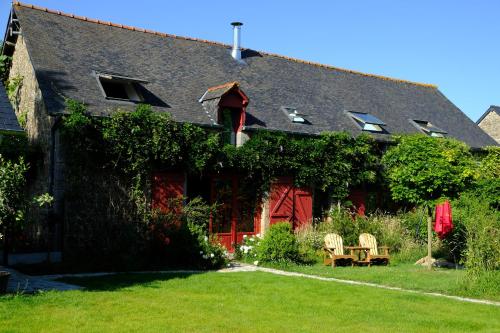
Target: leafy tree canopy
pixel 421 169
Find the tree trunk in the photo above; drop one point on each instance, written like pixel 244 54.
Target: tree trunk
pixel 429 241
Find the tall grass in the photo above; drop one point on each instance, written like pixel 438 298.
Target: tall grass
pixel 403 233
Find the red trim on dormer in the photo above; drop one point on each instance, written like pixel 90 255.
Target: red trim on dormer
pixel 235 98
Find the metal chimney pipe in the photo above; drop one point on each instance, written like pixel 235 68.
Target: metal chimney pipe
pixel 236 52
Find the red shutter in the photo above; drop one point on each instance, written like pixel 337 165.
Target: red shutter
pixel 288 203
pixel 167 186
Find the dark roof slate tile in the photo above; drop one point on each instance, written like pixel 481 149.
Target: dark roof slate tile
pixel 8 119
pixel 65 51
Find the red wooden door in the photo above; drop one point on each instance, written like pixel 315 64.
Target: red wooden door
pixel 236 212
pixel 167 187
pixel 289 203
pixel 281 199
pixel 303 207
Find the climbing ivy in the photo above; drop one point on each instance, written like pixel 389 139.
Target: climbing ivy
pixel 136 143
pixel 331 162
pixel 4 66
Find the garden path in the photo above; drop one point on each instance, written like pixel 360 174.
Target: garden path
pixel 21 283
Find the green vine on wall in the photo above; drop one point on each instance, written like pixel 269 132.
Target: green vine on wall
pixel 5 62
pixel 134 144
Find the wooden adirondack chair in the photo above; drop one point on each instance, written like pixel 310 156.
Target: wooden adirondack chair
pixel 334 251
pixel 369 243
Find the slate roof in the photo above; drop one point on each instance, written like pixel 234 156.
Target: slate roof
pixel 8 119
pixel 492 108
pixel 67 49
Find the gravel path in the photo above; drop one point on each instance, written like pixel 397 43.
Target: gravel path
pixel 21 283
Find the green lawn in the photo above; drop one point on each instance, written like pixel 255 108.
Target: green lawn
pixel 409 276
pixel 237 302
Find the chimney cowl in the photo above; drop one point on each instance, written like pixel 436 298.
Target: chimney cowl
pixel 236 51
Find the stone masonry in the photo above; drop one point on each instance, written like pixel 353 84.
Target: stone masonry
pixel 29 105
pixel 491 124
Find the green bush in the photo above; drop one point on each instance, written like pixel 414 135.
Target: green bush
pixel 481 227
pixel 279 244
pixel 12 182
pixel 180 236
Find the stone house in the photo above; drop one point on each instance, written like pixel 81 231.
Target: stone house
pixel 490 122
pixel 111 66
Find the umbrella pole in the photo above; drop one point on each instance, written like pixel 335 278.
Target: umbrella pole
pixel 429 242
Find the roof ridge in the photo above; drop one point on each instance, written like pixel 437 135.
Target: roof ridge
pixel 229 84
pixel 162 34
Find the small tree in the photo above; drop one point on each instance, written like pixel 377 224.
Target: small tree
pixel 422 169
pixel 12 183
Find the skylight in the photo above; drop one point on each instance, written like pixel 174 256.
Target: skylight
pixel 117 87
pixel 429 129
pixel 367 122
pixel 294 115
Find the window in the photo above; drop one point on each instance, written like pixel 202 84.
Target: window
pixel 429 129
pixel 294 115
pixel 120 87
pixel 367 122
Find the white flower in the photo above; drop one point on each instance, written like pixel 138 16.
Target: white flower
pixel 258 236
pixel 245 236
pixel 228 265
pixel 252 240
pixel 201 252
pixel 256 262
pixel 206 239
pixel 212 255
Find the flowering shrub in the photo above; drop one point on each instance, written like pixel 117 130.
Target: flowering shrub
pixel 249 248
pixel 212 253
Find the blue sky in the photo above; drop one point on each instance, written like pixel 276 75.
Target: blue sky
pixel 451 43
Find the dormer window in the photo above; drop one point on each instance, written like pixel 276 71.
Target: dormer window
pixel 116 87
pixel 225 105
pixel 367 122
pixel 429 128
pixel 294 115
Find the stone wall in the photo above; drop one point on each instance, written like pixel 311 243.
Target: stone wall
pixel 491 125
pixel 29 106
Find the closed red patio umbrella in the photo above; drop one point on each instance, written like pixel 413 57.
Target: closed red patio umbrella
pixel 443 223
